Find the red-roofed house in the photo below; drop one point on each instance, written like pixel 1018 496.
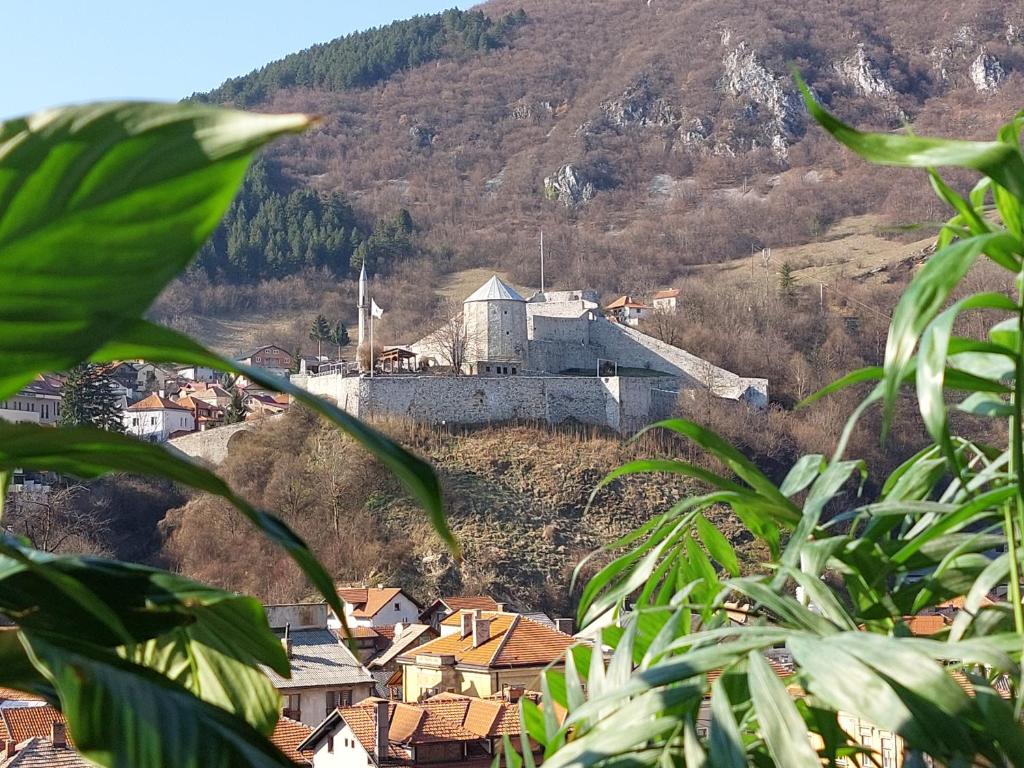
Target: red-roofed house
pixel 446 731
pixel 480 653
pixel 627 311
pixel 443 607
pixel 380 607
pixel 665 301
pixel 156 418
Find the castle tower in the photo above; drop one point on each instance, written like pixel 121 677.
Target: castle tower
pixel 495 324
pixel 364 309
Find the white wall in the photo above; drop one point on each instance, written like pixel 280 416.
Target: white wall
pixel 407 613
pixel 313 702
pixel 348 751
pixel 158 424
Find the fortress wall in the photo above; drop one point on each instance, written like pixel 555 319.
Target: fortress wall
pixel 211 446
pixel 557 356
pixel 343 390
pixel 632 348
pixel 567 329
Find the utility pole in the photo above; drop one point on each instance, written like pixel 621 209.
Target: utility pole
pixel 542 261
pixel 766 257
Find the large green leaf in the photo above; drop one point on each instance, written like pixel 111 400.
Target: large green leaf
pixel 140 339
pixel 100 207
pixel 782 727
pixel 122 715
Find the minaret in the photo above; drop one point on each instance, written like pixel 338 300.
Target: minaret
pixel 363 307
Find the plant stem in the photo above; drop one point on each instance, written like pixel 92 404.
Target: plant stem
pixel 5 479
pixel 1017 462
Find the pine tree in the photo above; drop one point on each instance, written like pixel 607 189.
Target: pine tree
pixel 87 399
pixel 320 332
pixel 236 409
pixel 787 279
pixel 339 336
pixel 296 365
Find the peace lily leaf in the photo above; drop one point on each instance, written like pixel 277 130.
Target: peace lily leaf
pixel 122 714
pixel 781 725
pixel 115 199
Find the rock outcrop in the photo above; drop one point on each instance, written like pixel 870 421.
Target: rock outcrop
pixel 422 135
pixel 569 186
pixel 863 74
pixel 987 72
pixel 777 110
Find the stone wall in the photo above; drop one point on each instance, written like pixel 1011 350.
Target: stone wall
pixel 618 403
pixel 211 445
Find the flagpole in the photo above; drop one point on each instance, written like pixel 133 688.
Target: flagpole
pixel 371 342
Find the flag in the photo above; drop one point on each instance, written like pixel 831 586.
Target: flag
pixel 375 311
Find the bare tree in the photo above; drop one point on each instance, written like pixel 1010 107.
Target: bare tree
pixel 451 342
pixel 59 521
pixel 665 324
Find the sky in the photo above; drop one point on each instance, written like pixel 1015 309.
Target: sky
pixel 69 51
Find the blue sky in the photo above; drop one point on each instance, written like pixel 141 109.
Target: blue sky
pixel 65 51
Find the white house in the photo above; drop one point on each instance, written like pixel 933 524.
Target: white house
pixel 37 402
pixel 627 311
pixel 151 378
pixel 199 373
pixel 156 418
pixel 666 301
pixel 380 607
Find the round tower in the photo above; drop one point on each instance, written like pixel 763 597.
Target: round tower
pixel 494 319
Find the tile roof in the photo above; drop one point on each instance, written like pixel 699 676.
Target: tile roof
pixel 22 723
pixel 366 603
pixel 317 660
pixel 39 752
pixel 12 694
pixel 156 403
pixel 624 302
pixel 460 602
pixel 669 293
pixel 514 641
pixel 495 288
pixel 287 736
pixel 925 626
pixel 410 635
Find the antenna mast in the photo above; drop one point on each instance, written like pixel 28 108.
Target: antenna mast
pixel 542 261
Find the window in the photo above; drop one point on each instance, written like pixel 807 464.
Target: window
pixel 398 607
pixel 488 369
pixel 513 371
pixel 135 421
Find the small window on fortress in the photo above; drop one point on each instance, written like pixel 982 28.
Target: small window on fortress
pixel 488 369
pixel 504 311
pixel 506 333
pixel 513 371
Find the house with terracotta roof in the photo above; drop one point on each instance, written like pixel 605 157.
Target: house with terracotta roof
pixel 443 607
pixel 447 730
pixel 206 415
pixel 665 301
pixel 156 418
pixel 627 311
pixel 481 653
pixel 377 607
pixel 287 736
pixel 324 674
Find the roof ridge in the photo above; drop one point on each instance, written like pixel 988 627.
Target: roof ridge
pixel 504 638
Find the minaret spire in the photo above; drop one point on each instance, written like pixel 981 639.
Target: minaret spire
pixel 362 306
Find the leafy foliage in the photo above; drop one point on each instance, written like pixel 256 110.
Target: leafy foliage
pixel 858 577
pixel 363 59
pixel 150 670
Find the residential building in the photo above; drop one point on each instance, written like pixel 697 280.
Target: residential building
pixel 34 735
pixel 260 405
pixel 199 373
pixel 38 402
pixel 324 672
pixel 206 415
pixel 152 378
pixel 124 373
pixel 480 653
pixel 380 607
pixel 442 731
pixel 665 301
pixel 214 394
pixel 444 607
pixel 627 311
pixel 384 666
pixel 271 358
pixel 156 418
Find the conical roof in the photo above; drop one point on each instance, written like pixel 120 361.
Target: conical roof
pixel 493 289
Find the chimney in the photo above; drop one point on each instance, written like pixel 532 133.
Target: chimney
pixel 466 617
pixel 514 693
pixel 286 641
pixel 380 741
pixel 478 613
pixel 58 735
pixel 564 626
pixel 10 748
pixel 501 607
pixel 399 629
pixel 481 632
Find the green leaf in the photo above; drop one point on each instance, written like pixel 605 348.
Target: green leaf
pixel 121 714
pixel 115 199
pixel 725 745
pixel 997 159
pixel 782 727
pixel 803 473
pixel 986 404
pixel 140 339
pixel 717 545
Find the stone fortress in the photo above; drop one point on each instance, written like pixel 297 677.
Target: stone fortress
pixel 553 358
